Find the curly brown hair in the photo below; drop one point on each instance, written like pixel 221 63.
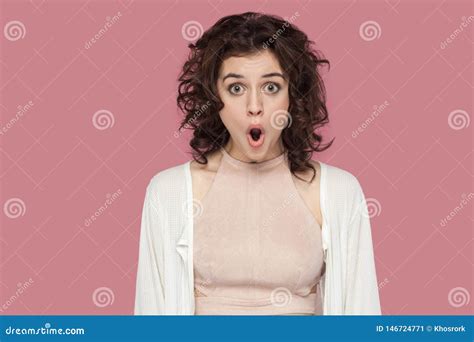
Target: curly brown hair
pixel 243 34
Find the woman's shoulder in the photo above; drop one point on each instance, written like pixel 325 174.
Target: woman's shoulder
pixel 337 175
pixel 175 178
pixel 341 185
pixel 328 173
pixel 170 178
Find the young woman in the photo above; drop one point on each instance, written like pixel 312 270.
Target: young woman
pixel 252 225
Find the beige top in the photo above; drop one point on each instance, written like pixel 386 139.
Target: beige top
pixel 257 245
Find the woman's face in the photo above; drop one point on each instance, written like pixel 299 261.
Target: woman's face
pixel 255 95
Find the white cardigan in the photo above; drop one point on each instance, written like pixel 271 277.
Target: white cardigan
pixel 165 277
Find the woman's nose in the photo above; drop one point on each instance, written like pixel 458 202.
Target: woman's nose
pixel 254 106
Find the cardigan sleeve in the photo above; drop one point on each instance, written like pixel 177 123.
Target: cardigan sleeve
pixel 149 295
pixel 362 295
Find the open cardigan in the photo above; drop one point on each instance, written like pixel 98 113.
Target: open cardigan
pixel 165 277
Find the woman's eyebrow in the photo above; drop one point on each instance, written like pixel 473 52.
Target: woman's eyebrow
pixel 231 74
pixel 272 74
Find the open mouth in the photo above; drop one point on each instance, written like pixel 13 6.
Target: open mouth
pixel 255 133
pixel 256 136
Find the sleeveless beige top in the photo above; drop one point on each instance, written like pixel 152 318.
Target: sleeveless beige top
pixel 257 246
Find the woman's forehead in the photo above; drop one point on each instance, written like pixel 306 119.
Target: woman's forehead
pixel 251 65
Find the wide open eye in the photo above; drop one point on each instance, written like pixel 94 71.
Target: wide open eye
pixel 271 87
pixel 236 88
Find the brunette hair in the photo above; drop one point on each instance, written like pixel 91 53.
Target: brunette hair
pixel 249 33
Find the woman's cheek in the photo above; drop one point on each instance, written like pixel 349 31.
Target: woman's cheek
pixel 233 110
pixel 229 119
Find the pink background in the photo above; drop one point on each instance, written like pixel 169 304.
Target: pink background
pixel 58 166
